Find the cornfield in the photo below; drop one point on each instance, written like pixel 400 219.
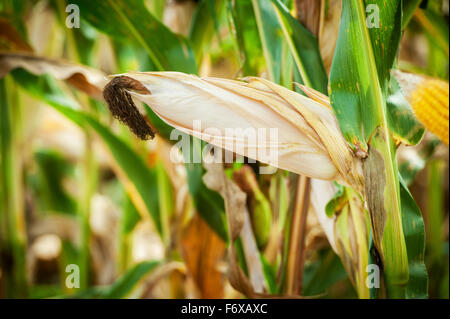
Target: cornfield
pixel 224 149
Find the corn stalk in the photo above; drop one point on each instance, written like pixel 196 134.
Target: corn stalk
pixel 363 117
pixel 12 210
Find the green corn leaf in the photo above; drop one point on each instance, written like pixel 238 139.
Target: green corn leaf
pixel 243 23
pixel 322 273
pixel 414 230
pixel 205 23
pixel 156 8
pixel 436 27
pixel 44 291
pixel 123 286
pixel 130 216
pixel 70 254
pixel 130 20
pixel 128 220
pixel 356 82
pixel 48 183
pixel 88 293
pixel 409 6
pixel 359 83
pixel 165 198
pixel 304 48
pixel 269 275
pixel 385 38
pixel 271 36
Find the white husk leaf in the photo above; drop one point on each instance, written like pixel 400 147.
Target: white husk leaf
pixel 309 141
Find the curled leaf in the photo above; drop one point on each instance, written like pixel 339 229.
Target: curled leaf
pixel 202 250
pixel 11 39
pixel 86 79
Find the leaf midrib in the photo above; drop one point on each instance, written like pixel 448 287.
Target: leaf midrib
pixel 137 35
pixel 380 113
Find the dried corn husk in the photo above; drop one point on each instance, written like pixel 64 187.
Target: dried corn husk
pixel 347 230
pixel 308 139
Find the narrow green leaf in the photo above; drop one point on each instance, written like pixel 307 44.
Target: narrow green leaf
pixel 130 216
pixel 323 273
pixel 304 48
pixel 269 275
pixel 205 23
pixel 409 6
pixel 48 184
pixel 156 8
pixel 436 27
pixel 166 199
pixel 244 25
pixel 127 282
pixel 385 36
pixel 130 20
pixel 271 36
pixel 414 230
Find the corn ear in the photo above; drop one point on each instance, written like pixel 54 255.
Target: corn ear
pixel 429 100
pixel 308 140
pixel 260 210
pixel 347 230
pixel 430 104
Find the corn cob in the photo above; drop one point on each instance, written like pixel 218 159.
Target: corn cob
pixel 429 99
pixel 309 142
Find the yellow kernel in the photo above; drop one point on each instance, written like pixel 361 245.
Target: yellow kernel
pixel 430 102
